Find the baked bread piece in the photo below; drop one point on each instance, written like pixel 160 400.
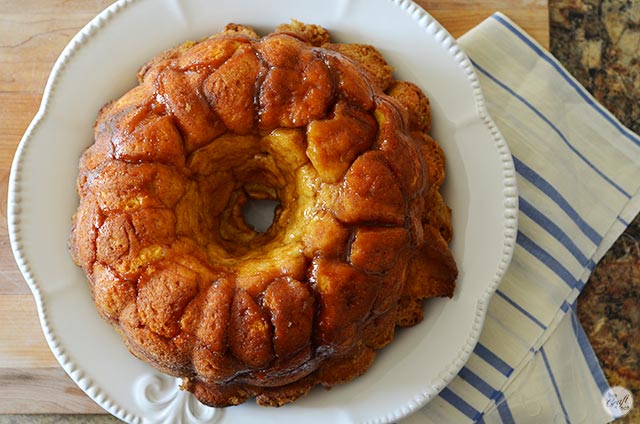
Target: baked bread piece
pixel 359 239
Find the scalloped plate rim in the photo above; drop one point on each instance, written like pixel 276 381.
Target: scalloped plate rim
pixel 81 377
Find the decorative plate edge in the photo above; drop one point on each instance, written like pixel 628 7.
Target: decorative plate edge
pixel 425 21
pixel 14 203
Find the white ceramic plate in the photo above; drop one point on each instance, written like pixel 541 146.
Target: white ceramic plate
pixel 100 64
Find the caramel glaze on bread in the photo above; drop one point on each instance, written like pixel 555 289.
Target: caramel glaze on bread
pixel 359 240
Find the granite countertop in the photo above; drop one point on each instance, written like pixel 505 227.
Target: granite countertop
pixel 598 41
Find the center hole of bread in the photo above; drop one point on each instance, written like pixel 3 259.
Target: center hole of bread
pixel 260 213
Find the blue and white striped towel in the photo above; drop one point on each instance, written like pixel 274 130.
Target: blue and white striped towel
pixel 579 178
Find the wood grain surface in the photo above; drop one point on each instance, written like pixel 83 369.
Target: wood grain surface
pixel 32 35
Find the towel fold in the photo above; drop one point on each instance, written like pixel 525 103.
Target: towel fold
pixel 578 171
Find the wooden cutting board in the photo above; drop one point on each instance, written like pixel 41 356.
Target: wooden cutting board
pixel 32 35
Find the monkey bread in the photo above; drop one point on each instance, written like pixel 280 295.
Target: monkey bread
pixel 359 237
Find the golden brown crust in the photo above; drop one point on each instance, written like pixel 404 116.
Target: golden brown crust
pixel 414 101
pixel 370 59
pixel 312 34
pixel 232 28
pixel 359 239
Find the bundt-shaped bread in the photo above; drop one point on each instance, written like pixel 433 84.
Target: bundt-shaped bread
pixel 359 239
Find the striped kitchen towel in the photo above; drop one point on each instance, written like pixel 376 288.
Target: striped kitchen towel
pixel 578 174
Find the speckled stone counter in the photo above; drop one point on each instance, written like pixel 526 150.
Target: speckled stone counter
pixel 598 41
